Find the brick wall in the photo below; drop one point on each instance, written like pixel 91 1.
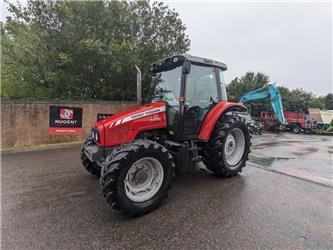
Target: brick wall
pixel 25 123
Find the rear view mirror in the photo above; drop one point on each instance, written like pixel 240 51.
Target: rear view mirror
pixel 186 67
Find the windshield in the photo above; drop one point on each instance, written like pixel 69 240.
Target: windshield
pixel 165 86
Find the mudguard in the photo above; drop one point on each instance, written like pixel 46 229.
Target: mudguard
pixel 213 115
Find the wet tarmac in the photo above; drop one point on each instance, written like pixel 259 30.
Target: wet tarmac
pixel 50 202
pixel 309 157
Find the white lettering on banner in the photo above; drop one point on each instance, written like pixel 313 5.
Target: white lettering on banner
pixel 71 122
pixel 65 130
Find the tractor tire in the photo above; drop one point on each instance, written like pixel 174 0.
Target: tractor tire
pixel 137 176
pixel 91 167
pixel 227 151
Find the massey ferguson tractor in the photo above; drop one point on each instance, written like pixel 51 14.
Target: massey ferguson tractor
pixel 188 119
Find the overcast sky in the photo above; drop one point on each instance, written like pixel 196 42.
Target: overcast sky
pixel 289 41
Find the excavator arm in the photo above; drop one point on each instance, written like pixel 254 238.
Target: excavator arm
pixel 270 91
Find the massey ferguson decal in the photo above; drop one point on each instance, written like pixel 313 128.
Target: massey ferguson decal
pixel 65 120
pixel 137 116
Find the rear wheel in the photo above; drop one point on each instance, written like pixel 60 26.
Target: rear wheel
pixel 229 146
pixel 137 176
pixel 91 167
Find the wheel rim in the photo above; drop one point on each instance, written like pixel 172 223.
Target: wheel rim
pixel 234 147
pixel 144 179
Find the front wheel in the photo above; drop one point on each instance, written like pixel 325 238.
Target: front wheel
pixel 229 146
pixel 137 176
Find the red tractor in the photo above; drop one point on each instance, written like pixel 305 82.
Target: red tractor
pixel 188 119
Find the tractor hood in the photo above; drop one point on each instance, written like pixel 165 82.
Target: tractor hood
pixel 124 126
pixel 132 114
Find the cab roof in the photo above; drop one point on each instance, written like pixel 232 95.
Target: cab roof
pixel 177 60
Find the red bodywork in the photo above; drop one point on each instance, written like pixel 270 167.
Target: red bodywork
pixel 292 118
pixel 125 126
pixel 298 118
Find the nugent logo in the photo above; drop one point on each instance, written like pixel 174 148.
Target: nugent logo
pixel 65 120
pixel 66 114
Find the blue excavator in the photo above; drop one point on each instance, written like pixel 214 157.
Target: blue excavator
pixel 269 91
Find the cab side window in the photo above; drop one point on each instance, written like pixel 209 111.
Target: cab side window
pixel 201 88
pixel 200 96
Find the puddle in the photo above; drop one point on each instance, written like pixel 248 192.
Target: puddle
pixel 264 161
pixel 306 151
pixel 266 144
pixel 267 161
pixel 280 143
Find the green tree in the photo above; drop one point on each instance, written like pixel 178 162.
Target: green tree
pixel 297 100
pixel 249 82
pixel 328 100
pixel 85 49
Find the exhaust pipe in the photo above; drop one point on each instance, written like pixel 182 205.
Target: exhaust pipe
pixel 138 86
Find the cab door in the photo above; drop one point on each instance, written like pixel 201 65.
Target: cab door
pixel 202 93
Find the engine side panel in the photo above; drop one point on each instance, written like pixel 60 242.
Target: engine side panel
pixel 213 115
pixel 126 126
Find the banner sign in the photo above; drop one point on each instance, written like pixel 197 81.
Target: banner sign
pixel 102 116
pixel 65 120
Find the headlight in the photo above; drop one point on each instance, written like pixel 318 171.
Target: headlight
pixel 95 134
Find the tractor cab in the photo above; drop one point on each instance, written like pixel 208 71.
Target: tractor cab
pixel 191 86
